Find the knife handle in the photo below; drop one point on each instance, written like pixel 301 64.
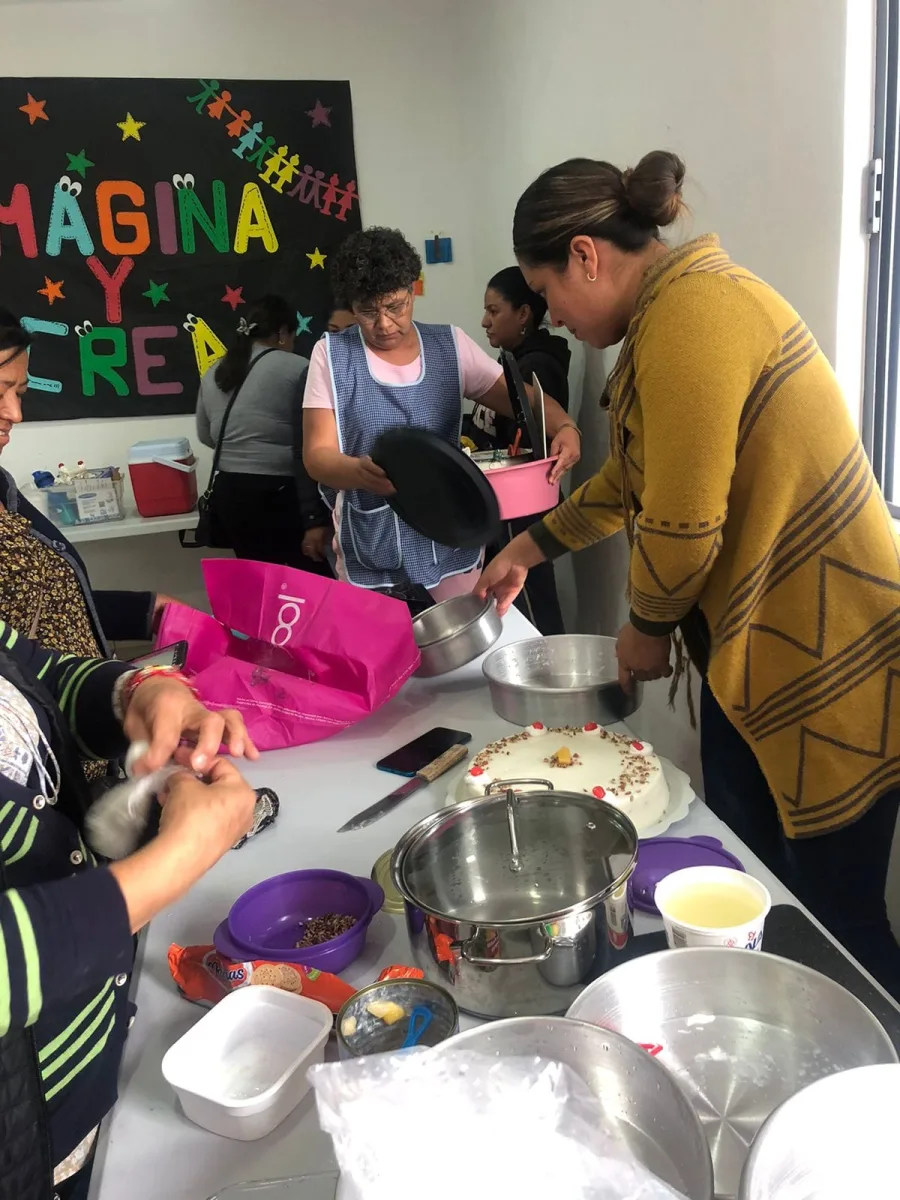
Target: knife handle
pixel 447 760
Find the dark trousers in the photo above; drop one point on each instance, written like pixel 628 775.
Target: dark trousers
pixel 840 877
pixel 538 599
pixel 260 515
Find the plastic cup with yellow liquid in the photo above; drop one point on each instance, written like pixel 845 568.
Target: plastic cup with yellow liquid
pixel 713 906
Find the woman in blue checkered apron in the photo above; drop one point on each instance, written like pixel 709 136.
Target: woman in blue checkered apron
pixel 389 371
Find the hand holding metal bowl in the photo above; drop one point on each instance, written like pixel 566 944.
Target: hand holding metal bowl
pixel 569 679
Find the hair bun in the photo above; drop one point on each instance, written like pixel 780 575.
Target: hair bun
pixel 653 188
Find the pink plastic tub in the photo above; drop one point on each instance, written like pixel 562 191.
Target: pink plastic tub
pixel 524 490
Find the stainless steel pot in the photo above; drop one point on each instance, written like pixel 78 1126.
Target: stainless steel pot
pixel 835 1140
pixel 515 901
pixel 741 1029
pixel 642 1103
pixel 570 679
pixel 454 633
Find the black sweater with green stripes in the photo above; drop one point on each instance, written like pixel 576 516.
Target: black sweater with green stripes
pixel 66 948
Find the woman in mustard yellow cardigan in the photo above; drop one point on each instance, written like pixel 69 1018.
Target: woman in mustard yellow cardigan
pixel 756 530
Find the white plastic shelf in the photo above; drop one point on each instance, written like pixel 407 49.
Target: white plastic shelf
pixel 132 526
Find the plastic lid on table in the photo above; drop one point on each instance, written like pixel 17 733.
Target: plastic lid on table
pixel 662 856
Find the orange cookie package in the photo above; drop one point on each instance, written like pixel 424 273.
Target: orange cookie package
pixel 205 976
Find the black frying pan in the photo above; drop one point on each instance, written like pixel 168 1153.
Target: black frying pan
pixel 440 492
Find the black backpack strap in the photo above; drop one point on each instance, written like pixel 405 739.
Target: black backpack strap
pixel 220 442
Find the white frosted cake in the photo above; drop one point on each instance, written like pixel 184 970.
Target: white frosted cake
pixel 615 768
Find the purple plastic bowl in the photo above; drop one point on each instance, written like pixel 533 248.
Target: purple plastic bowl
pixel 267 920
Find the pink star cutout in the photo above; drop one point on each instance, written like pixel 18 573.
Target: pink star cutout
pixel 234 297
pixel 320 115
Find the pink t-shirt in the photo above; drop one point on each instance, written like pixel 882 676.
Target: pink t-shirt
pixel 478 370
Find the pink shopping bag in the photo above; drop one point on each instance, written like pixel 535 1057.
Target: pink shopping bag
pixel 301 657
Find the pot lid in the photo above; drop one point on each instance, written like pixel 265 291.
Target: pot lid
pixel 659 857
pixel 461 863
pixel 440 492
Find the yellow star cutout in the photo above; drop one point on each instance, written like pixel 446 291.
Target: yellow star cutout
pixel 130 128
pixel 317 259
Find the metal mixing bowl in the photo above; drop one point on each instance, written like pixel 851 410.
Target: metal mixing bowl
pixel 454 633
pixel 641 1102
pixel 741 1029
pixel 570 679
pixel 835 1140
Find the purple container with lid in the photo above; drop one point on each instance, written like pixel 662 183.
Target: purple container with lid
pixel 267 921
pixel 659 857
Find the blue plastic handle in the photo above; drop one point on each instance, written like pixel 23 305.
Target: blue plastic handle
pixel 419 1020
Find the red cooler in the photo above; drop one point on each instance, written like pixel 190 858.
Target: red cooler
pixel 163 476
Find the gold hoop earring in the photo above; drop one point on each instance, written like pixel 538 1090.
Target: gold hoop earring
pixel 592 278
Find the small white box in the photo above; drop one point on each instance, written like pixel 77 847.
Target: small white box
pixel 242 1068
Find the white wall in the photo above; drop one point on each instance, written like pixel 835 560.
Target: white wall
pixel 402 61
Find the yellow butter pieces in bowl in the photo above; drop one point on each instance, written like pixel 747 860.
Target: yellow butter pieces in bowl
pixel 387 1011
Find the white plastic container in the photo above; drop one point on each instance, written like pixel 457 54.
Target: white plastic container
pixel 673 889
pixel 242 1068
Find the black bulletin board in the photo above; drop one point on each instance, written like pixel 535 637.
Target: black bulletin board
pixel 139 216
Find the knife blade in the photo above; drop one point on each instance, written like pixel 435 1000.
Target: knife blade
pixel 540 451
pixel 420 780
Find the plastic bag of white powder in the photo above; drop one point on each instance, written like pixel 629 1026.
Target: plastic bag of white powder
pixel 521 1127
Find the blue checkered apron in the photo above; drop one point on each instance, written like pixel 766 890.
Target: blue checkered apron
pixel 379 549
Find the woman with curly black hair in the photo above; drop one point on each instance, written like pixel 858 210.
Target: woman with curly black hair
pixel 390 370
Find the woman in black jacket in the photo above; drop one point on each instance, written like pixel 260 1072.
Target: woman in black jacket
pixel 66 919
pixel 513 320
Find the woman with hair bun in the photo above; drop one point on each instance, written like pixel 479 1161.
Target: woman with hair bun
pixel 514 320
pixel 756 528
pixel 264 501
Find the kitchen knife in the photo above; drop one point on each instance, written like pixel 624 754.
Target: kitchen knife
pixel 420 780
pixel 540 451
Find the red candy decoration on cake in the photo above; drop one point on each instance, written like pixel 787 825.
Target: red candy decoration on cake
pixel 476 770
pixel 599 793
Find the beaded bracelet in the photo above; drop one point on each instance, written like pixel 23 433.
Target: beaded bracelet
pixel 569 425
pixel 127 685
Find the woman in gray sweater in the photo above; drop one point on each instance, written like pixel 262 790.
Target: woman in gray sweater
pixel 265 502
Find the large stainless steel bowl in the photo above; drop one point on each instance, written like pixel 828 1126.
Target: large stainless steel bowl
pixel 835 1140
pixel 454 633
pixel 742 1030
pixel 641 1102
pixel 570 679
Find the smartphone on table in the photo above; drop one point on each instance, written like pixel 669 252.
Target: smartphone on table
pixel 167 656
pixel 415 755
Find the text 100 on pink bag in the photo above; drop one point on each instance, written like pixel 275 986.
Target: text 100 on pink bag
pixel 299 656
